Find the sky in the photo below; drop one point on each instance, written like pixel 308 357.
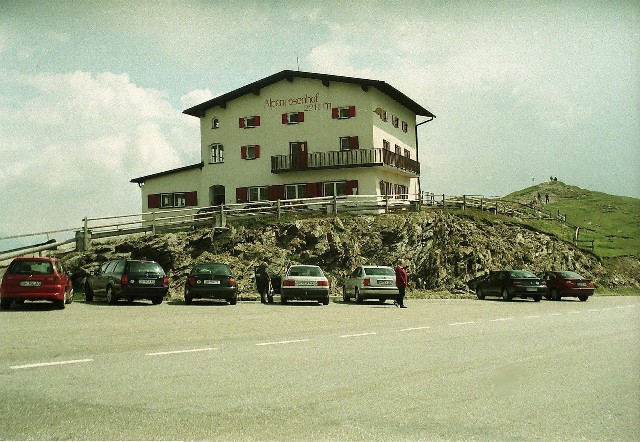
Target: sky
pixel 92 92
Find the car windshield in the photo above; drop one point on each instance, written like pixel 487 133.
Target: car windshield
pixel 31 267
pixel 521 274
pixel 214 269
pixel 144 266
pixel 571 275
pixel 305 271
pixel 379 271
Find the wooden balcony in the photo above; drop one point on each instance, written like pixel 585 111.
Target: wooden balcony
pixel 344 159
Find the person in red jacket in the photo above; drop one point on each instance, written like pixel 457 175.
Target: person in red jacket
pixel 402 281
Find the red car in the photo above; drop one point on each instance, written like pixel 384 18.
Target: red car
pixel 567 284
pixel 35 279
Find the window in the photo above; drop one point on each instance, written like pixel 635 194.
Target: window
pixel 398 150
pixel 386 145
pixel 383 115
pixel 335 188
pixel 407 153
pixel 394 121
pixel 257 193
pixel 349 143
pixel 294 191
pixel 250 152
pixel 215 123
pixel 343 113
pixel 293 118
pixel 173 200
pixel 217 153
pixel 405 126
pixel 249 122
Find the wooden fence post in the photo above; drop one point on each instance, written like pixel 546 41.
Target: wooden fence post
pixel 464 202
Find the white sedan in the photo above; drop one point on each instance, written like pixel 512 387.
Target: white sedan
pixel 305 282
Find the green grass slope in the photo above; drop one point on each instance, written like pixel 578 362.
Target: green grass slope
pixel 612 222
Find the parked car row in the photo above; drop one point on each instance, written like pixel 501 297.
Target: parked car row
pixel 34 279
pixel 509 284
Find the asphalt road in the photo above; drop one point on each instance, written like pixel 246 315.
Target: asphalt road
pixel 441 369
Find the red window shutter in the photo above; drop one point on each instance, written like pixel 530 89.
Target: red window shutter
pixel 191 198
pixel 300 117
pixel 153 201
pixel 354 143
pixel 243 152
pixel 241 195
pixel 352 111
pixel 314 190
pixel 334 113
pixel 241 123
pixel 285 119
pixel 256 151
pixel 275 192
pixel 256 120
pixel 352 184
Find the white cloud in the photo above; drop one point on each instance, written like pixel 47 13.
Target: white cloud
pixel 77 142
pixel 195 97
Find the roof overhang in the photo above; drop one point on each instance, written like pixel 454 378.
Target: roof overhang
pixel 142 179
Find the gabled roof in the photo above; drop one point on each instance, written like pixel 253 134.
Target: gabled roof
pixel 222 100
pixel 142 179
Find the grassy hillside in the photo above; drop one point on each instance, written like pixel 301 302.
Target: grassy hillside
pixel 613 222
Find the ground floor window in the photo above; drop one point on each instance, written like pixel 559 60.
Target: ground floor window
pixel 295 191
pixel 335 188
pixel 392 190
pixel 173 200
pixel 257 193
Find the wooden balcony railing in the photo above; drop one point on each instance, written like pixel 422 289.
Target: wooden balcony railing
pixel 342 159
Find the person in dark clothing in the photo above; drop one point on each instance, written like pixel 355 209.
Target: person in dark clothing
pixel 263 283
pixel 402 281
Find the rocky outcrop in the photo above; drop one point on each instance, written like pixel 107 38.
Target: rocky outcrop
pixel 441 250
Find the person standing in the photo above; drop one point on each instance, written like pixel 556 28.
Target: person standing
pixel 263 281
pixel 402 281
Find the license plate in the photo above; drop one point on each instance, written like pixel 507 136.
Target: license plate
pixel 147 281
pixel 211 281
pixel 384 282
pixel 582 284
pixel 30 283
pixel 306 283
pixel 532 289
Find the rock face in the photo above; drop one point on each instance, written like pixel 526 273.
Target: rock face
pixel 441 250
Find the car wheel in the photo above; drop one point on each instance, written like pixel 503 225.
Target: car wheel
pixel 537 298
pixel 383 300
pixel 325 301
pixel 61 304
pixel 555 295
pixel 111 298
pixel 505 295
pixel 188 299
pixel 283 300
pixel 5 304
pixel 157 300
pixel 233 301
pixel 479 293
pixel 583 298
pixel 88 293
pixel 358 297
pixel 345 297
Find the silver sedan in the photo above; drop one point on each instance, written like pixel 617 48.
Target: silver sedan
pixel 371 282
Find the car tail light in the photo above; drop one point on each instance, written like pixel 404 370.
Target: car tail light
pixel 366 281
pixel 124 280
pixel 165 280
pixel 288 283
pixel 191 280
pixel 590 284
pixel 232 282
pixel 570 284
pixel 517 282
pixel 323 283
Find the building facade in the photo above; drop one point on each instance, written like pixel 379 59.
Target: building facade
pixel 297 135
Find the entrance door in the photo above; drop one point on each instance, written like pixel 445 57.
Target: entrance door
pixel 298 151
pixel 216 195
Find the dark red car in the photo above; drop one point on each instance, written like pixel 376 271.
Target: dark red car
pixel 35 279
pixel 567 284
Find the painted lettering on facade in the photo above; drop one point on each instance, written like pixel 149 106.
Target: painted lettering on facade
pixel 292 101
